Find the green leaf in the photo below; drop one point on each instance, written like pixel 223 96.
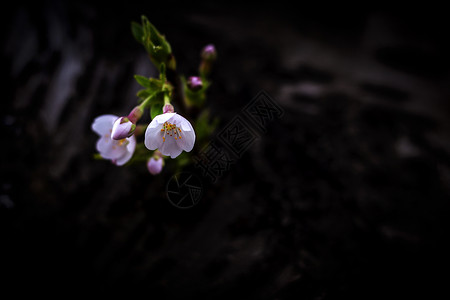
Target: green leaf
pixel 137 31
pixel 156 38
pixel 155 43
pixel 144 81
pixel 156 109
pixel 145 23
pixel 155 84
pixel 158 98
pixel 157 103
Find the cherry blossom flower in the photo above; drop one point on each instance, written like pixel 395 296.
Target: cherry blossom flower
pixel 118 151
pixel 171 134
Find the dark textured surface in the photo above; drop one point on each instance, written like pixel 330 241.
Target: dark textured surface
pixel 345 197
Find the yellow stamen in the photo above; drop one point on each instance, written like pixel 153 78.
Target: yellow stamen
pixel 170 129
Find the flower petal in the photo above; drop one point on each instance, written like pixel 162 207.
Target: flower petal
pixel 103 124
pixel 131 146
pixel 129 151
pixel 187 140
pixel 185 125
pixel 170 148
pixel 153 138
pixel 109 149
pixel 121 129
pixel 153 124
pixel 163 117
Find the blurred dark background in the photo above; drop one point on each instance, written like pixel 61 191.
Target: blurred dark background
pixel 345 197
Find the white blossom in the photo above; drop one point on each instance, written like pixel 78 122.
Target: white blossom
pixel 118 151
pixel 171 134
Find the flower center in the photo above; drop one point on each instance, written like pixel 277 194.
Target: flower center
pixel 170 130
pixel 120 143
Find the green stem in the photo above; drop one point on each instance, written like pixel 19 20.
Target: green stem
pixel 145 103
pixel 166 99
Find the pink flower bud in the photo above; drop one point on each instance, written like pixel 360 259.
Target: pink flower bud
pixel 209 53
pixel 122 129
pixel 135 114
pixel 155 165
pixel 168 108
pixel 194 83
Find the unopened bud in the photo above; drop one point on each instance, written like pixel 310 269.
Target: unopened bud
pixel 135 114
pixel 209 53
pixel 168 108
pixel 155 165
pixel 194 83
pixel 122 128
